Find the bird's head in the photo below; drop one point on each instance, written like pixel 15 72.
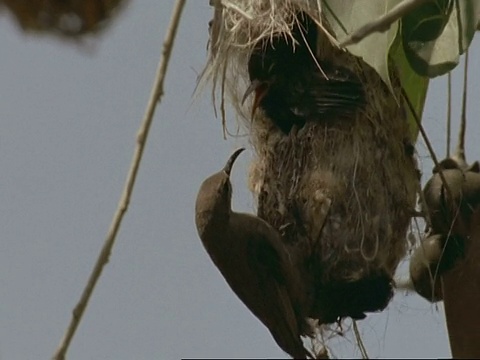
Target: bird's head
pixel 275 60
pixel 215 194
pixel 262 70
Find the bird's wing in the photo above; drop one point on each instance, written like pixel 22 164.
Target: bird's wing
pixel 266 250
pixel 314 95
pixel 265 256
pixel 277 264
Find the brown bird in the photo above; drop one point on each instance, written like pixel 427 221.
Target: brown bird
pixel 253 260
pixel 289 86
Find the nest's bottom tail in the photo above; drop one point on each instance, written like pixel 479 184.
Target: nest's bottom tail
pixel 339 299
pixel 292 345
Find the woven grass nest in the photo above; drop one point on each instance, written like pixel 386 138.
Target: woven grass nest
pixel 340 193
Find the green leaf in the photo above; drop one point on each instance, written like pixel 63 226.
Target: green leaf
pixel 346 16
pixel 414 85
pixel 427 22
pixel 441 55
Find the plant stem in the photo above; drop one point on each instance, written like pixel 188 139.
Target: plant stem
pixel 461 296
pixel 156 93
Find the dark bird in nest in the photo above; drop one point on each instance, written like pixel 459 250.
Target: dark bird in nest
pixel 253 260
pixel 293 87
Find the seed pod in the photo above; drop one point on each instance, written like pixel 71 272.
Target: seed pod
pixel 451 214
pixel 436 255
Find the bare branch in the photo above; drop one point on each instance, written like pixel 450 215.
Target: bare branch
pixel 360 344
pixel 156 93
pixel 460 150
pixel 461 297
pixel 449 113
pixel 384 22
pixel 429 145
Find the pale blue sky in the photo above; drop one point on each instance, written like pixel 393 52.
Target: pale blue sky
pixel 68 118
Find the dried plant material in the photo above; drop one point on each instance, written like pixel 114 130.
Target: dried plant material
pixel 66 17
pixel 236 28
pixel 451 211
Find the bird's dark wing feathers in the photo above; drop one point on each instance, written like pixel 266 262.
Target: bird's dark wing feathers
pixel 333 94
pixel 262 253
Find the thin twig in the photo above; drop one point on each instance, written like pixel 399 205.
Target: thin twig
pixel 461 296
pixel 234 7
pixel 156 93
pixel 427 142
pixel 359 340
pixel 460 150
pixel 449 112
pixel 384 22
pixel 427 216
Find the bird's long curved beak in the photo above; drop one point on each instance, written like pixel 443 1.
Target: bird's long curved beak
pixel 260 88
pixel 231 160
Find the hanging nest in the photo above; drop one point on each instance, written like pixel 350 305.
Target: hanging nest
pixel 341 193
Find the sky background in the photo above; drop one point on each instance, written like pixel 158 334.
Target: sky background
pixel 69 113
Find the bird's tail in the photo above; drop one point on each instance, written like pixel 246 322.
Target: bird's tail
pixel 293 345
pixel 287 333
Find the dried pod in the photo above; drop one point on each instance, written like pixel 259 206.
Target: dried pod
pixel 475 167
pixel 435 255
pixel 451 214
pixel 71 18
